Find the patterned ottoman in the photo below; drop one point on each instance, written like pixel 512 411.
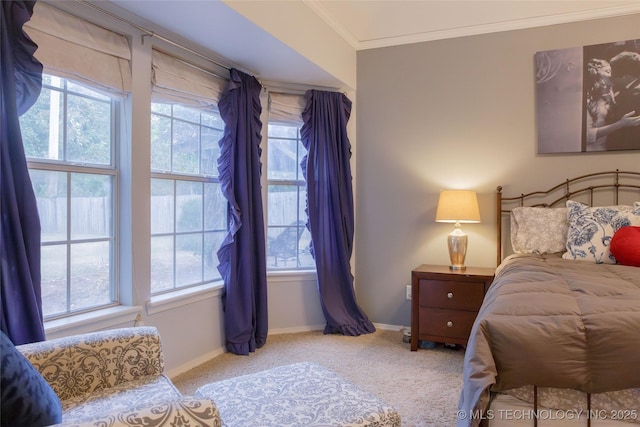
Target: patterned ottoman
pixel 302 394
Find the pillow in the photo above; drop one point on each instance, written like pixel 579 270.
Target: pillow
pixel 27 399
pixel 539 230
pixel 625 246
pixel 591 230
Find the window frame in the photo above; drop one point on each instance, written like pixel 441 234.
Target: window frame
pixel 130 205
pixel 182 177
pixel 70 167
pixel 299 184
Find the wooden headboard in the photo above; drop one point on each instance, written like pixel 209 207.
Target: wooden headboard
pixel 595 189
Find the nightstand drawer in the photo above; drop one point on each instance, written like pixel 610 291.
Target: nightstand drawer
pixel 445 302
pixel 450 294
pixel 446 323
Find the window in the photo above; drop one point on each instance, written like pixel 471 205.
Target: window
pixel 287 236
pixel 188 210
pixel 69 137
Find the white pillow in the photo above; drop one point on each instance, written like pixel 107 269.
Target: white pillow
pixel 539 230
pixel 591 230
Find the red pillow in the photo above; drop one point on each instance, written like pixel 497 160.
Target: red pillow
pixel 625 245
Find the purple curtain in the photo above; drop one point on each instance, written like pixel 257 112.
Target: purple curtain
pixel 242 254
pixel 327 171
pixel 20 231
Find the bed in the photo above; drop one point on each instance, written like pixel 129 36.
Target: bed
pixel 557 339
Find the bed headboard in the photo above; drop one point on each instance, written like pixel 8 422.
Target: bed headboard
pixel 595 189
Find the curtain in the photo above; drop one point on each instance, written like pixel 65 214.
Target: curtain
pixel 327 171
pixel 20 230
pixel 242 253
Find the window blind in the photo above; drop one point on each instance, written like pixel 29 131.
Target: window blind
pixel 73 48
pixel 286 108
pixel 176 81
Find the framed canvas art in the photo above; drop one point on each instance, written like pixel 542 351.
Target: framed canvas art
pixel 588 98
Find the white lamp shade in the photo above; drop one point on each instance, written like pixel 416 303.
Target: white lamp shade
pixel 458 206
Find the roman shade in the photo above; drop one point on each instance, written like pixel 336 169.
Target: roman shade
pixel 73 48
pixel 176 81
pixel 286 108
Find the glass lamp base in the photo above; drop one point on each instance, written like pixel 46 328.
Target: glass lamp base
pixel 457 244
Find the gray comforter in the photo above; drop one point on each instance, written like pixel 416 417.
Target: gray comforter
pixel 553 323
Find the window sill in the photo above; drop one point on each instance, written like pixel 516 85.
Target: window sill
pixel 172 300
pixel 290 275
pixel 91 321
pixel 119 315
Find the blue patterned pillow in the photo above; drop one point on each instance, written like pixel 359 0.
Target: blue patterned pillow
pixel 592 228
pixel 27 399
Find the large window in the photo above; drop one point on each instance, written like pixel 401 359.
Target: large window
pixel 83 143
pixel 288 239
pixel 69 137
pixel 188 211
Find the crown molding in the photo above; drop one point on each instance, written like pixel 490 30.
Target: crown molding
pixel 607 12
pixel 316 7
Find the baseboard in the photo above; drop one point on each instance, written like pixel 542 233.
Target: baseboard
pixel 205 358
pixel 194 363
pixel 387 327
pixel 217 352
pixel 383 326
pixel 296 329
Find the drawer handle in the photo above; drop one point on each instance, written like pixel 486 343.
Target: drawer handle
pixel 450 324
pixel 450 295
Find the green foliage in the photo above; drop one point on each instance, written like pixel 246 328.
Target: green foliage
pixel 85 136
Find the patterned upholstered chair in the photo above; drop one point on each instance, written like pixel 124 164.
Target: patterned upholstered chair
pixel 115 378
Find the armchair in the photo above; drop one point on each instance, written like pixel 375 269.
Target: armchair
pixel 115 378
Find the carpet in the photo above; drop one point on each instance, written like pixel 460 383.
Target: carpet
pixel 423 386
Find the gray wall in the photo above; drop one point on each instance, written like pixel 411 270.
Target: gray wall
pixel 453 114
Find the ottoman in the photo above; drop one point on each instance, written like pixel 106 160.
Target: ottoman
pixel 301 394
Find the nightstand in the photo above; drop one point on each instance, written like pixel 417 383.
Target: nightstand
pixel 445 302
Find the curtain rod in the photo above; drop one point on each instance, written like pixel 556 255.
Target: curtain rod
pixel 149 33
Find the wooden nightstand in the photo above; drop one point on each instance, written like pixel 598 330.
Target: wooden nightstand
pixel 445 303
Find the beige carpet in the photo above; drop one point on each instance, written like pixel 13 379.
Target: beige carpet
pixel 423 386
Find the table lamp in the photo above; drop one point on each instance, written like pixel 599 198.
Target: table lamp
pixel 456 206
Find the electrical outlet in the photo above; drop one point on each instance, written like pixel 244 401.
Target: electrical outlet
pixel 406 335
pixel 408 292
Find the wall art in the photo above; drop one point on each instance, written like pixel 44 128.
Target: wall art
pixel 588 98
